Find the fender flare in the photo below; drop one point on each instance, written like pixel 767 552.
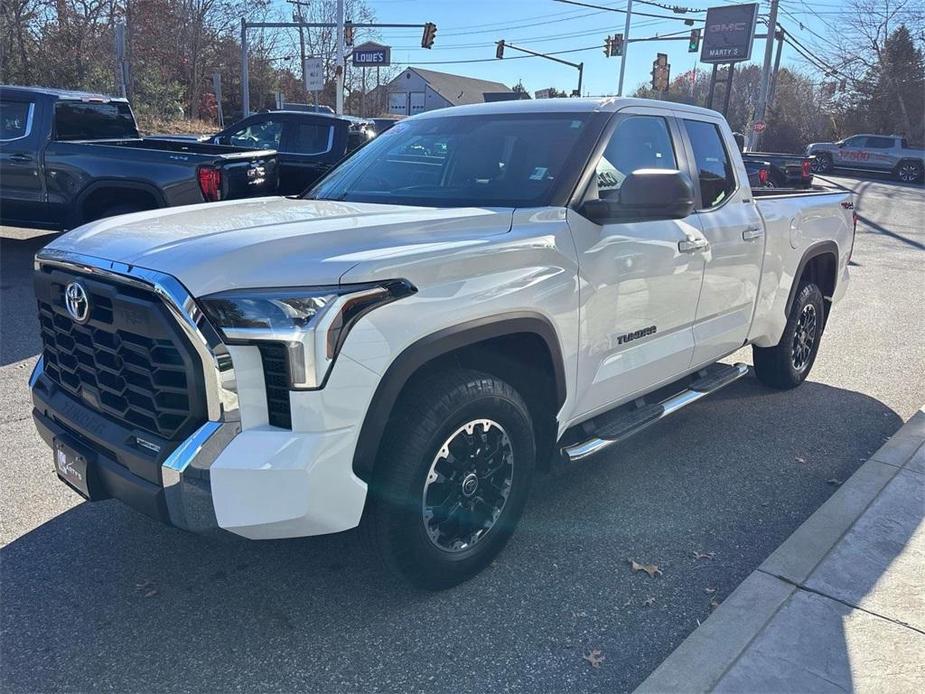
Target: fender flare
pixel 115 183
pixel 435 345
pixel 814 251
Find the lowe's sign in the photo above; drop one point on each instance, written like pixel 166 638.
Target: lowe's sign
pixel 728 33
pixel 372 54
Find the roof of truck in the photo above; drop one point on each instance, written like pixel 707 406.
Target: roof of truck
pixel 66 94
pixel 566 105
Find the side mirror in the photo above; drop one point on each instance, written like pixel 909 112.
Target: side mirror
pixel 646 195
pixel 739 140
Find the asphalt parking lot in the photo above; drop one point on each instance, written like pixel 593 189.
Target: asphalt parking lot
pixel 95 596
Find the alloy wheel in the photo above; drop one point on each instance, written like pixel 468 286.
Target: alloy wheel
pixel 804 337
pixel 468 485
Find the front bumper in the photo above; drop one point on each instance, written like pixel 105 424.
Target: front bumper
pixel 263 483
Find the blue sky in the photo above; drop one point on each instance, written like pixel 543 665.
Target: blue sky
pixel 467 30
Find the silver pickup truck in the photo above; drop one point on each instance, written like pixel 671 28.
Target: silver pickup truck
pixel 889 153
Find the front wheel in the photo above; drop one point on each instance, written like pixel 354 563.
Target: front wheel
pixel 452 479
pixel 788 363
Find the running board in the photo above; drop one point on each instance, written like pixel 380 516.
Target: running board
pixel 621 428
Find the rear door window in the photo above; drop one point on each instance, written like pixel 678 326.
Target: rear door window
pixel 880 142
pixel 308 137
pixel 92 120
pixel 714 168
pixel 638 142
pixel 15 119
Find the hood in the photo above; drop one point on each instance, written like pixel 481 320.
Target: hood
pixel 274 242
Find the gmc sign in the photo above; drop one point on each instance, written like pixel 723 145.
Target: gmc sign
pixel 729 33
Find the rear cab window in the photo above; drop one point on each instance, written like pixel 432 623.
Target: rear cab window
pixel 714 168
pixel 94 120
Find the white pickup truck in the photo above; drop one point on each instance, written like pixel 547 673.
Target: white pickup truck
pixel 479 293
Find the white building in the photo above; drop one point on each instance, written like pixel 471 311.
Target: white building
pixel 416 90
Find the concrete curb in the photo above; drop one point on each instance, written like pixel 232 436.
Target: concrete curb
pixel 708 653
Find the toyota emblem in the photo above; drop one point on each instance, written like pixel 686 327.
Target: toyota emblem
pixel 77 302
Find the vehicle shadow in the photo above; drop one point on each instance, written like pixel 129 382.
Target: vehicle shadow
pixel 102 598
pixel 19 325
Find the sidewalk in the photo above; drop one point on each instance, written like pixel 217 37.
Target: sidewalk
pixel 840 606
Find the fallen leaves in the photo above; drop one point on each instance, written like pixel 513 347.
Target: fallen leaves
pixel 649 602
pixel 704 555
pixel 709 591
pixel 651 569
pixel 834 482
pixel 595 657
pixel 801 461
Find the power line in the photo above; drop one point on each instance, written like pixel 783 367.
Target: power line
pixel 640 14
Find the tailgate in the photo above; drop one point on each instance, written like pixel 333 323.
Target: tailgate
pixel 249 175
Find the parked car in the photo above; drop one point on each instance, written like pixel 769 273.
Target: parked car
pixel 483 292
pixel 70 157
pixel 309 144
pixel 884 153
pixel 783 170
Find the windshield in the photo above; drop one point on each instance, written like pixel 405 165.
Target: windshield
pixel 512 160
pixel 94 120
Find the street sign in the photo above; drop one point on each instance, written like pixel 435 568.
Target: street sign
pixel 314 74
pixel 728 33
pixel 760 126
pixel 371 54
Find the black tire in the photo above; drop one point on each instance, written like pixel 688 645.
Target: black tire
pixel 822 163
pixel 430 422
pixel 909 171
pixel 788 364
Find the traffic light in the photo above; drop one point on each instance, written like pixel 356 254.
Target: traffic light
pixel 348 33
pixel 430 32
pixel 661 72
pixel 693 45
pixel 616 46
pixel 499 50
pixel 608 46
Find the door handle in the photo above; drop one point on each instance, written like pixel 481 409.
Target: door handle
pixel 693 245
pixel 20 158
pixel 752 233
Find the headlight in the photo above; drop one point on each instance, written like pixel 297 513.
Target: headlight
pixel 311 322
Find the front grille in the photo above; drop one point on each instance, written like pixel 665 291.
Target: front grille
pixel 276 378
pixel 128 361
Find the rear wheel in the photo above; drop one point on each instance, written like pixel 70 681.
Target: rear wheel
pixel 788 363
pixel 452 479
pixel 909 171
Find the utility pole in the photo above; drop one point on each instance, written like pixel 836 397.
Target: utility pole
pixel 626 36
pixel 761 108
pixel 780 45
pixel 245 77
pixel 339 70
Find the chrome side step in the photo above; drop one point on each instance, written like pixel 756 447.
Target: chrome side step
pixel 614 433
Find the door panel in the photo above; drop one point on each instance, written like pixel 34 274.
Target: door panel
pixel 305 152
pixel 638 291
pixel 730 222
pixel 22 191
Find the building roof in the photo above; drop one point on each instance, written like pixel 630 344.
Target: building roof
pixel 457 89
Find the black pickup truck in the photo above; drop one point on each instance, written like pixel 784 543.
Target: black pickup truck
pixel 309 144
pixel 71 157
